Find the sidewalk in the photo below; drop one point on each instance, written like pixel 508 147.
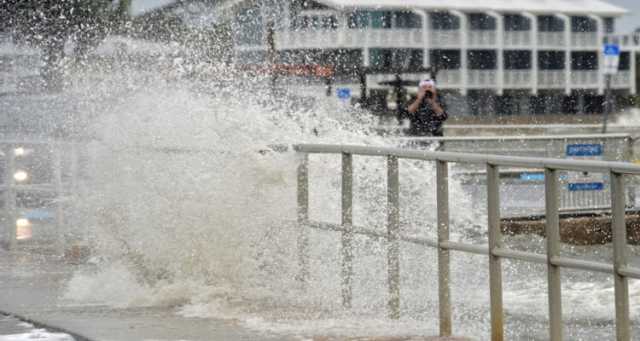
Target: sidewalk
pixel 32 284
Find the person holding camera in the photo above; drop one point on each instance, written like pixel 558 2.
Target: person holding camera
pixel 427 113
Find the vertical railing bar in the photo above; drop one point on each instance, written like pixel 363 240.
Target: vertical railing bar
pixel 554 285
pixel 10 197
pixel 57 182
pixel 347 224
pixel 495 241
pixel 393 234
pixel 444 292
pixel 621 282
pixel 303 218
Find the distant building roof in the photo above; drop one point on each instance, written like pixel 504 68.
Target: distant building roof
pixel 536 6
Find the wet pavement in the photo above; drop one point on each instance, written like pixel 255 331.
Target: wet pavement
pixel 32 284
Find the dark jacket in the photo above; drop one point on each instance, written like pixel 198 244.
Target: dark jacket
pixel 425 122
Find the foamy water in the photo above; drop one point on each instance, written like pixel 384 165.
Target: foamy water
pixel 188 207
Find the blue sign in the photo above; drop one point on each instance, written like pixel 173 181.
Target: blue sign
pixel 532 176
pixel 587 186
pixel 38 214
pixel 584 150
pixel 611 50
pixel 344 93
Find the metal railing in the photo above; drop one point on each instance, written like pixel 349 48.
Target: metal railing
pixel 495 249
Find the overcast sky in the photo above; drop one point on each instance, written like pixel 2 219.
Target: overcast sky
pixel 625 24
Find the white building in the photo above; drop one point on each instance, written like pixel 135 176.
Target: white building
pixel 511 55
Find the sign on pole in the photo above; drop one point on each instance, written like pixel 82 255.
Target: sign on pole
pixel 344 94
pixel 585 181
pixel 611 59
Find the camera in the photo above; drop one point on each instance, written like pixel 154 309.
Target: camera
pixel 428 94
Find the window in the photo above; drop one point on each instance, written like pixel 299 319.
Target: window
pixel 550 23
pixel 583 24
pixel 481 21
pixel 551 60
pixel 444 21
pixel 407 20
pixel 482 59
pixel 445 59
pixel 517 60
pixel 625 61
pixel 381 19
pixel 584 60
pixel 514 22
pixel 358 19
pixel 609 25
pixel 385 59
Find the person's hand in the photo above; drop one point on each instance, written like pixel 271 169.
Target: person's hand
pixel 434 94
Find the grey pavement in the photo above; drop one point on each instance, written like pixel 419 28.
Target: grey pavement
pixel 32 283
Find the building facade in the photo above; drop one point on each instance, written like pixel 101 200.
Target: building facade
pixel 512 56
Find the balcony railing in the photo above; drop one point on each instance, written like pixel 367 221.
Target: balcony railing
pixel 585 79
pixel 440 39
pixel 482 78
pixel 449 78
pixel 517 38
pixel 482 38
pixel 551 39
pixel 518 78
pixel 554 79
pixel 585 39
pixel 446 38
pixel 622 79
pixel 395 37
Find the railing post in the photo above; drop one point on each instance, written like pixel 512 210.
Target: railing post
pixel 393 234
pixel 303 218
pixel 10 197
pixel 347 224
pixel 444 292
pixel 621 282
pixel 495 240
pixel 553 250
pixel 57 182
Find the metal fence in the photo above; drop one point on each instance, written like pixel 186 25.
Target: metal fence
pixel 620 269
pixel 38 177
pixel 613 147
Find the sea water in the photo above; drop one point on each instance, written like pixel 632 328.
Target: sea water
pixel 188 205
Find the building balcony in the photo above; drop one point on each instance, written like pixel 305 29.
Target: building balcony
pixel 395 38
pixel 552 79
pixel 482 79
pixel 621 80
pixel 517 38
pixel 439 39
pixel 482 38
pixel 551 40
pixel 585 79
pixel 449 79
pixel 349 38
pixel 307 39
pixel 516 79
pixel 446 38
pixel 585 40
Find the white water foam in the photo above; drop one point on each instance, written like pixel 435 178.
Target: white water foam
pixel 187 206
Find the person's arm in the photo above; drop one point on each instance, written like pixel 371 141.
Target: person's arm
pixel 413 107
pixel 435 104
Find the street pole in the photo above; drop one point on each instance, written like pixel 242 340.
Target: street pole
pixel 607 103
